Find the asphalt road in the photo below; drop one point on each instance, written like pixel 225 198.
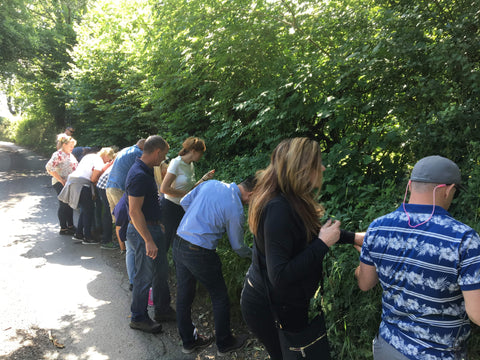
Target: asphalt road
pixel 51 287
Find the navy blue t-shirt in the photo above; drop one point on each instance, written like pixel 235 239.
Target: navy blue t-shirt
pixel 140 182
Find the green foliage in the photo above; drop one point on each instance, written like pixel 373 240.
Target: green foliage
pixel 7 129
pixel 379 83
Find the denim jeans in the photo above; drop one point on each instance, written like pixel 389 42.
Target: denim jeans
pixel 107 226
pixel 259 319
pixel 130 261
pixel 149 272
pixel 87 209
pixel 193 264
pixel 172 214
pixel 65 212
pixel 384 351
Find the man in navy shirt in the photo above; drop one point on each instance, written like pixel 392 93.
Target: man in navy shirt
pixel 211 209
pixel 146 236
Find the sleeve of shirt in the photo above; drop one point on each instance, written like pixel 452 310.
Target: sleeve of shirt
pixel 53 162
pixel 136 186
pixel 188 199
pixel 365 253
pixel 234 228
pixel 469 273
pixel 173 167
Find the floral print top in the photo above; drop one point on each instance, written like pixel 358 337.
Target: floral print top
pixel 64 164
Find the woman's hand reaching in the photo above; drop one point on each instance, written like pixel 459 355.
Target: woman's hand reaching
pixel 330 232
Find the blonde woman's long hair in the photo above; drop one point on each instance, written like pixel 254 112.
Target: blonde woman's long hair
pixel 295 170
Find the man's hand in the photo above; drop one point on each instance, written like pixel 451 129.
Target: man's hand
pixel 151 249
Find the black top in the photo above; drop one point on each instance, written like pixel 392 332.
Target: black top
pixel 294 266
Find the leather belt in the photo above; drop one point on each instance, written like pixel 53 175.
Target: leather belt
pixel 152 222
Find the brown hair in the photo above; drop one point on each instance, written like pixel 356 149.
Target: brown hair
pixel 295 170
pixel 192 143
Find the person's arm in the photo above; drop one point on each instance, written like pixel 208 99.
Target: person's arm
pixel 208 176
pixel 367 276
pixel 95 176
pixel 472 305
pixel 138 219
pixel 167 187
pixel 57 176
pixel 234 227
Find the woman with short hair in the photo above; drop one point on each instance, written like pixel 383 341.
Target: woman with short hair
pixel 61 164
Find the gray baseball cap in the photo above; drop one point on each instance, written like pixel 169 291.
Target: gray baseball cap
pixel 436 169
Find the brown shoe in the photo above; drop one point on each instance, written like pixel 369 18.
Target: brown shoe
pixel 148 326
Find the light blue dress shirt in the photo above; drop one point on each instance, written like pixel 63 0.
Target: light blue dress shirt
pixel 211 209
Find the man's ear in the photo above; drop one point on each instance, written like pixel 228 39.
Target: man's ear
pixel 449 189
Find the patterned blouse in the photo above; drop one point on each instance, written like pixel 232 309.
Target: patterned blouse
pixel 64 164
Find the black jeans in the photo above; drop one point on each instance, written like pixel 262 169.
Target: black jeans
pixel 65 212
pixel 172 214
pixel 107 226
pixel 258 316
pixel 193 264
pixel 87 209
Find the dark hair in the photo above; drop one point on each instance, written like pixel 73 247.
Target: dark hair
pixel 249 182
pixel 153 143
pixel 192 143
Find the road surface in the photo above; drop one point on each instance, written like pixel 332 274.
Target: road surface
pixel 54 289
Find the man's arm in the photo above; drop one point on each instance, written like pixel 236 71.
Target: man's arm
pixel 234 228
pixel 367 276
pixel 138 219
pixel 472 305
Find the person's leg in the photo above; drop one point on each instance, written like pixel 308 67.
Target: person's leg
pixel 186 287
pixel 107 230
pixel 143 276
pixel 206 267
pixel 87 211
pixel 130 261
pixel 259 319
pixel 160 289
pixel 172 214
pixel 61 213
pixel 113 196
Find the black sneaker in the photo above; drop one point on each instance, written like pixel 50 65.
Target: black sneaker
pixel 200 342
pixel 77 237
pixel 87 241
pixel 148 326
pixel 166 316
pixel 238 343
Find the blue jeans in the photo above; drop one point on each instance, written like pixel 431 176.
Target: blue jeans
pixel 149 272
pixel 193 264
pixel 87 209
pixel 130 261
pixel 107 226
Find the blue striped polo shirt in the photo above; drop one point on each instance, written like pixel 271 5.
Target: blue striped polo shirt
pixel 423 271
